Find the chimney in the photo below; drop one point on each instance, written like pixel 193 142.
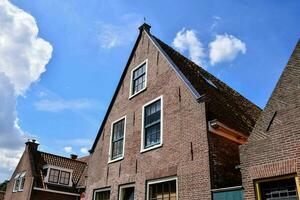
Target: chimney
pixel 32 145
pixel 73 156
pixel 145 27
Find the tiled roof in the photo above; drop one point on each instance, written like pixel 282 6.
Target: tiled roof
pixel 41 159
pixel 59 161
pixel 224 103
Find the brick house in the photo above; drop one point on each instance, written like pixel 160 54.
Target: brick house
pixel 43 176
pixel 270 160
pixel 171 131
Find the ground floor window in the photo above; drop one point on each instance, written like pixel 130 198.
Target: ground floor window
pixel 102 194
pixel 284 188
pixel 126 192
pixel 163 189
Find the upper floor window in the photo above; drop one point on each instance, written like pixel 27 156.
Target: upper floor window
pixel 102 194
pixel 19 182
pixel 138 79
pixel 117 139
pixel 57 175
pixel 152 124
pixel 64 178
pixel 53 175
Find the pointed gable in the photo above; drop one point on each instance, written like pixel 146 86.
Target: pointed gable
pixel 224 103
pixel 284 104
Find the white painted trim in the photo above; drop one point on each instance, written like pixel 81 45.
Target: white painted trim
pixel 161 124
pixel 176 69
pixel 46 180
pixel 55 191
pixel 124 187
pixel 227 189
pixel 110 143
pixel 131 77
pixel 162 180
pixel 101 190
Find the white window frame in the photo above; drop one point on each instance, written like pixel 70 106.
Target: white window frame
pixel 20 176
pixel 17 176
pixel 22 179
pixel 131 79
pixel 101 190
pixel 49 167
pixel 110 160
pixel 143 149
pixel 124 187
pixel 162 180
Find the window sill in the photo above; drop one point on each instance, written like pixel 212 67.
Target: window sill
pixel 115 160
pixel 142 90
pixel 151 148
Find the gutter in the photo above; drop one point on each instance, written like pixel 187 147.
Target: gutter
pixel 57 192
pixel 222 130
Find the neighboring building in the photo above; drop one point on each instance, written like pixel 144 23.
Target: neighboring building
pixel 270 160
pixel 2 194
pixel 172 130
pixel 44 176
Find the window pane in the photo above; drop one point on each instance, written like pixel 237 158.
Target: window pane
pixel 139 79
pixel 152 135
pixel 53 176
pixel 64 178
pixel 163 191
pixel 152 123
pixel 105 195
pixel 22 182
pixel 279 190
pixel 127 193
pixel 117 139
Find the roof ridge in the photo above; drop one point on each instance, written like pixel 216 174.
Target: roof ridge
pixel 205 71
pixel 51 154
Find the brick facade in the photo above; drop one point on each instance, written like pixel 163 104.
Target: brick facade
pixel 184 126
pixel 273 147
pixel 187 144
pixel 41 195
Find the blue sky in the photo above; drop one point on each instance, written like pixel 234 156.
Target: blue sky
pixel 92 40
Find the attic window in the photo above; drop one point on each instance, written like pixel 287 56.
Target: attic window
pixel 19 182
pixel 138 79
pixel 57 175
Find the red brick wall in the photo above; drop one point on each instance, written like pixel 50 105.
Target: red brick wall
pixel 23 165
pixel 41 195
pixel 184 126
pixel 224 157
pixel 2 195
pixel 275 152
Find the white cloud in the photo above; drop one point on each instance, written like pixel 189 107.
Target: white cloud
pixel 68 149
pixel 113 35
pixel 186 40
pixel 62 105
pixel 23 56
pixel 225 48
pixel 84 150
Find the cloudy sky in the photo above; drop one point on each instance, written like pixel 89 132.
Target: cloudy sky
pixel 60 61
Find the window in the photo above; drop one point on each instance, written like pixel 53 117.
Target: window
pixel 126 192
pixel 138 79
pixel 162 189
pixel 19 182
pixel 277 189
pixel 53 176
pixel 152 124
pixel 117 139
pixel 22 181
pixel 64 178
pixel 102 194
